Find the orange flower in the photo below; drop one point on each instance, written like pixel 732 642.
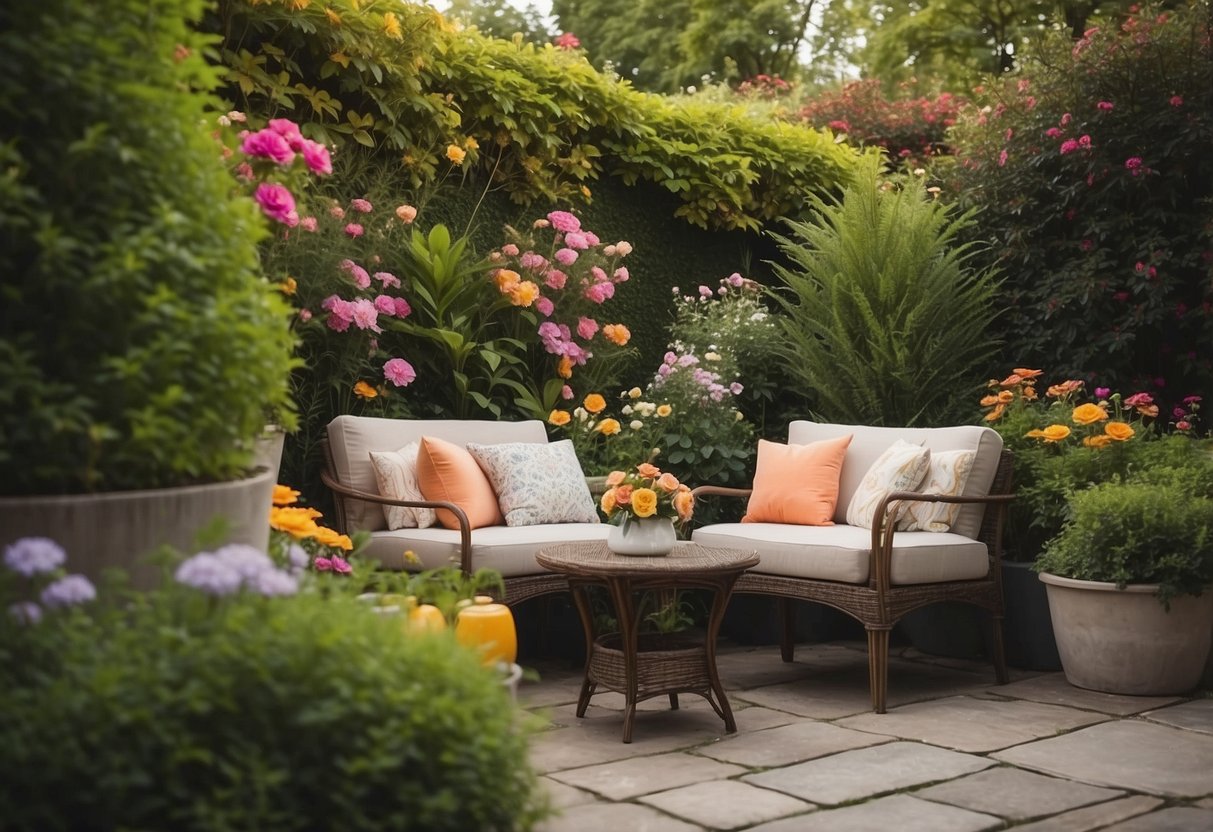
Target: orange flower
pixel 1010 381
pixel 667 482
pixel 623 495
pixel 289 285
pixel 284 495
pixel 524 294
pixel 617 334
pixel 1057 391
pixel 684 504
pixel 989 401
pixel 614 478
pixel 507 280
pixel 607 503
pixel 648 470
pixel 996 414
pixel 1026 374
pixel 1055 433
pixel 329 537
pixel 1120 431
pixel 608 427
pixel 1150 410
pixel 559 418
pixel 455 154
pixel 1029 393
pixel 664 410
pixel 1100 441
pixel 1088 414
pixel 594 403
pixel 1035 433
pixel 365 390
pixel 564 368
pixel 1005 397
pixel 297 522
pixel 644 502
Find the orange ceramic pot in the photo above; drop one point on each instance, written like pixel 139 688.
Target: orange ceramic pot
pixel 488 627
pixel 426 617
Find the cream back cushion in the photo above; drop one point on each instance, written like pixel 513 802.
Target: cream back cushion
pixel 870 442
pixel 352 438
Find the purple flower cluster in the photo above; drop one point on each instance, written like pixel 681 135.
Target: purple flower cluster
pixel 237 566
pixel 31 557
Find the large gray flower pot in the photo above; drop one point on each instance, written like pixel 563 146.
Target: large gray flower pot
pixel 1124 641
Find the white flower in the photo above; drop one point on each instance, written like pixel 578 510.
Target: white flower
pixel 712 356
pixel 636 424
pixel 626 410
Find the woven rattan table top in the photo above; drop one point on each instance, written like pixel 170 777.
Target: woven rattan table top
pixel 595 560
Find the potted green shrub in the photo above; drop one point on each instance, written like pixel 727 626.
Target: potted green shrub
pixel 1128 579
pixel 143 348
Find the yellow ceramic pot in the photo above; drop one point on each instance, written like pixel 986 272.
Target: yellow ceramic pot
pixel 488 627
pixel 425 617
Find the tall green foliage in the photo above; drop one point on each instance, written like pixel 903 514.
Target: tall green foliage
pixel 141 346
pixel 885 319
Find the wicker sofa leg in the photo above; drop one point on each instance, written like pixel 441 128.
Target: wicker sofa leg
pixel 878 666
pixel 787 628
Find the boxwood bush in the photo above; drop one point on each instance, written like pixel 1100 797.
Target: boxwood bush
pixel 190 712
pixel 141 346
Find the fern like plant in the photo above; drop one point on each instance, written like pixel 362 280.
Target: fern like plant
pixel 885 316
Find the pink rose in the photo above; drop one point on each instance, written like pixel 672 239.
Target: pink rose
pixel 337 212
pixel 365 315
pixel 621 275
pixel 356 273
pixel 385 304
pixel 402 308
pixel 353 229
pixel 576 240
pixel 564 221
pixel 341 565
pixel 284 127
pixel 533 262
pixel 275 200
pixel 362 206
pixel 566 393
pixel 388 279
pixel 586 328
pixel 322 565
pixel 399 372
pixel 545 306
pixel 556 279
pixel 566 256
pixel 317 158
pixel 267 144
pixel 600 292
pixel 305 315
pixel 308 224
pixel 509 250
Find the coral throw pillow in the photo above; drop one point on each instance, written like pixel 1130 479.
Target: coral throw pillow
pixel 797 483
pixel 448 472
pixel 901 467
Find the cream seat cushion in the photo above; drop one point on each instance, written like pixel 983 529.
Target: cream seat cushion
pixel 843 553
pixel 510 550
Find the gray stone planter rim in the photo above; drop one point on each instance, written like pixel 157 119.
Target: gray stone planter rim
pixel 1098 586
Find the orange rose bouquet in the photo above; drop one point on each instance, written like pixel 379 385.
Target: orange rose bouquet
pixel 646 492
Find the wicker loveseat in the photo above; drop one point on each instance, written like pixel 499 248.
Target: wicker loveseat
pixel 874 576
pixel 510 550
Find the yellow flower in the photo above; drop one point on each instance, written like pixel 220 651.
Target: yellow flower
pixel 594 403
pixel 470 143
pixel 617 334
pixel 607 503
pixel 297 522
pixel 524 294
pixel 559 418
pixel 634 393
pixel 455 153
pixel 664 410
pixel 410 557
pixel 391 26
pixel 1088 414
pixel 1119 431
pixel 365 390
pixel 1036 433
pixel 1101 441
pixel 608 427
pixel 333 17
pixel 328 537
pixel 284 495
pixel 585 191
pixel 288 286
pixel 644 502
pixel 1055 433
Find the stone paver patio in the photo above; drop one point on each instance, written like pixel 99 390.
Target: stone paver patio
pixel 955 753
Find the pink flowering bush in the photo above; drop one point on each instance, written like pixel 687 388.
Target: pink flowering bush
pixel 560 277
pixel 1092 174
pixel 911 126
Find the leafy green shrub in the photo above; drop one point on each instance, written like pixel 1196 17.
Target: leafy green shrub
pixel 1093 173
pixel 540 121
pixel 885 314
pixel 1136 532
pixel 140 344
pixel 186 710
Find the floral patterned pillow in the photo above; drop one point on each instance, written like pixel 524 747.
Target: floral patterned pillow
pixel 900 468
pixel 948 474
pixel 396 473
pixel 537 483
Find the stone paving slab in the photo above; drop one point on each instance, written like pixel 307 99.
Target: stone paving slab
pixel 866 772
pixel 842 689
pixel 1053 689
pixel 795 743
pixel 562 796
pixel 1094 817
pixel 1131 754
pixel 1174 819
pixel 614 817
pixel 975 725
pixel 1196 715
pixel 898 812
pixel 1015 794
pixel 726 804
pixel 625 779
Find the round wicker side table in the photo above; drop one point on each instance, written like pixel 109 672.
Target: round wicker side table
pixel 641 666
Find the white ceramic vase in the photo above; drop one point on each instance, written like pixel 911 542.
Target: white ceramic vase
pixel 642 537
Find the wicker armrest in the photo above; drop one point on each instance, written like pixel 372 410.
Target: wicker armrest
pixel 465 529
pixel 720 491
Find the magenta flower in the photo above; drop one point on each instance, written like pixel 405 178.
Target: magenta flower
pixel 266 144
pixel 1192 399
pixel 275 201
pixel 386 304
pixel 403 310
pixel 322 564
pixel 399 372
pixel 1133 164
pixel 1068 146
pixel 284 127
pixel 1084 141
pixel 317 158
pixel 1053 132
pixel 353 229
pixel 564 222
pixel 1105 105
pixel 341 565
pixel 357 273
pixel 1102 392
pixel 1177 101
pixel 361 206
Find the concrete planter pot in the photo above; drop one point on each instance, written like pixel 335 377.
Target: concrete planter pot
pixel 121 528
pixel 1124 641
